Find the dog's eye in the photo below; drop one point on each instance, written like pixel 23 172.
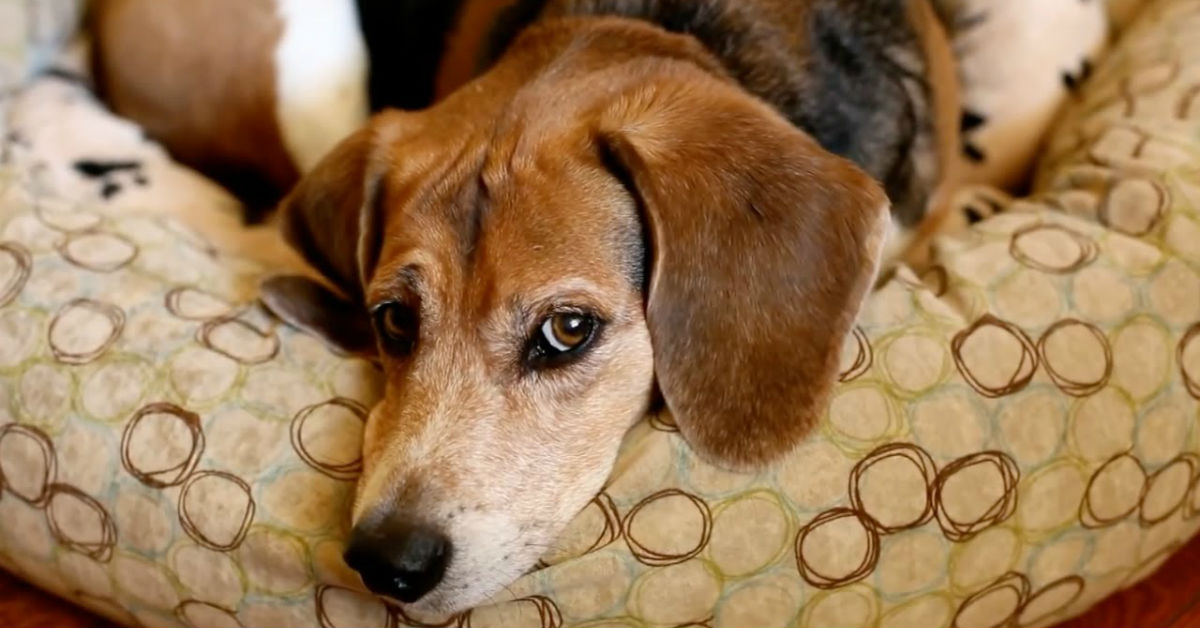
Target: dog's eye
pixel 567 332
pixel 397 326
pixel 562 335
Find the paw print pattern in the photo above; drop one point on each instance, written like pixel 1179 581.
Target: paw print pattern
pixel 111 174
pixel 1072 79
pixel 971 122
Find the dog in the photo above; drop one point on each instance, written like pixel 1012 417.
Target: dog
pixel 636 203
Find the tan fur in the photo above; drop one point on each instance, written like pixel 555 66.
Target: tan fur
pixel 946 116
pixel 489 210
pixel 197 80
pixel 465 43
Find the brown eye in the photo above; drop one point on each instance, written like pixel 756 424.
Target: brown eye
pixel 397 327
pixel 562 336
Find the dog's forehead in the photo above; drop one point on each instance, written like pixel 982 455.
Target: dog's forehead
pixel 560 211
pixel 517 223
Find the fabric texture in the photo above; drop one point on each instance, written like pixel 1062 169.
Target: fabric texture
pixel 1121 12
pixel 1016 434
pixel 32 33
pixel 1020 61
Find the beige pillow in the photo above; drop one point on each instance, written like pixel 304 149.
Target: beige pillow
pixel 1019 62
pixel 32 33
pixel 1015 435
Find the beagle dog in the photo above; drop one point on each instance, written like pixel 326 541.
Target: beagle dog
pixel 637 202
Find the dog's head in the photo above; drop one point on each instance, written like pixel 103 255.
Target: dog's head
pixel 534 264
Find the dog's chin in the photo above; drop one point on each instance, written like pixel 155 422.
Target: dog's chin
pixel 463 592
pixel 438 606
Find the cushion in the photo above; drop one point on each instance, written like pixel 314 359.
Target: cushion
pixel 1121 12
pixel 1020 61
pixel 32 34
pixel 1014 437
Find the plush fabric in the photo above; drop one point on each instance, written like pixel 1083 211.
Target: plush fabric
pixel 32 33
pixel 1015 436
pixel 1121 12
pixel 1020 61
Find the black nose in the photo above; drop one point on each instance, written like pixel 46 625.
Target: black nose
pixel 401 561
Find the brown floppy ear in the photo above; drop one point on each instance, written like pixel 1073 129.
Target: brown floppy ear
pixel 332 219
pixel 765 246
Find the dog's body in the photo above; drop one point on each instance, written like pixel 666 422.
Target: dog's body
pixel 624 206
pixel 254 93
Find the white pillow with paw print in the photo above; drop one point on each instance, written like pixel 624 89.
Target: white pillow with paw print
pixel 1019 62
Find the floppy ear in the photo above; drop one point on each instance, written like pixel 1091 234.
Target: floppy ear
pixel 765 246
pixel 332 219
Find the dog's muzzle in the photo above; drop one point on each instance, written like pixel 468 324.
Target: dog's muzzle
pixel 398 560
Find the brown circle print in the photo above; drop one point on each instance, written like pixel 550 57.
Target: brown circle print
pixel 1167 490
pixel 216 509
pixel 315 433
pixel 597 526
pixel 1188 357
pixel 1077 356
pixel 1006 366
pixel 1191 505
pixel 822 568
pixel 80 523
pixel 194 304
pixel 1134 206
pixel 98 251
pixel 861 356
pixel 15 265
pixel 1053 248
pixel 684 511
pixel 83 329
pixel 906 474
pixel 975 493
pixel 1004 599
pixel 1113 492
pixel 238 340
pixel 162 445
pixel 28 464
pixel 1049 600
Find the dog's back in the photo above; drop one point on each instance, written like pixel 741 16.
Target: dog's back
pixel 871 80
pixel 863 77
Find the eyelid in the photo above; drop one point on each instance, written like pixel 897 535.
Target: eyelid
pixel 574 302
pixel 404 298
pixel 538 317
pixel 402 286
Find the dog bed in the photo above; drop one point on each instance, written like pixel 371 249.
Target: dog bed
pixel 1015 436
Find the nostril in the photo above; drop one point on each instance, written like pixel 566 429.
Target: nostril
pixel 401 561
pixel 423 551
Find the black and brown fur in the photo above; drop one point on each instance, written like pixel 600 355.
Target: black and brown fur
pixel 857 75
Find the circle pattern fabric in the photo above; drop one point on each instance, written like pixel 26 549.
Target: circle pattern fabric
pixel 1016 434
